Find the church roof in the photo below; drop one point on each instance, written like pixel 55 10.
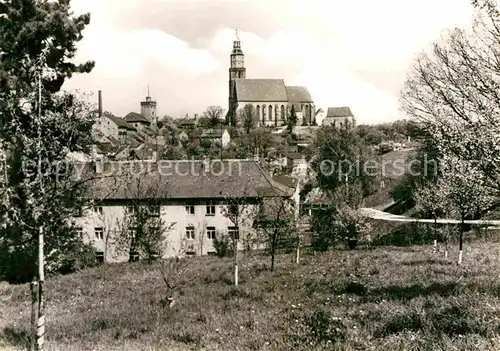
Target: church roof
pixel 135 117
pixel 298 94
pixel 261 90
pixel 343 111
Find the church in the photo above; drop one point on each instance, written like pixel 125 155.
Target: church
pixel 271 99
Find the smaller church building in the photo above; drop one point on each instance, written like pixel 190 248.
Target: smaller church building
pixel 271 100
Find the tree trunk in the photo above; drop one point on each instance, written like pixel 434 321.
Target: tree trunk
pixel 297 258
pixel 434 250
pixel 446 241
pixel 41 302
pixel 34 313
pixel 273 251
pixel 235 248
pixel 460 244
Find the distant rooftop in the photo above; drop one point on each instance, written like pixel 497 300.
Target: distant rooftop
pixel 343 111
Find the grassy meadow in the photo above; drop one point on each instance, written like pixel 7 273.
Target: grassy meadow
pixel 368 299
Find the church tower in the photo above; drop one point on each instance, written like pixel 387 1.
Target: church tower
pixel 148 109
pixel 236 70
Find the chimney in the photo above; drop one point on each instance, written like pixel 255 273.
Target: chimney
pixel 195 116
pixel 100 103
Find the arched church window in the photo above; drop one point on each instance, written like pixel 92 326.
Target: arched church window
pixel 258 112
pixel 270 112
pixel 308 114
pixel 282 112
pixel 263 113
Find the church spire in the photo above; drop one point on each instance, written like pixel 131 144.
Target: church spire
pixel 236 71
pixel 237 45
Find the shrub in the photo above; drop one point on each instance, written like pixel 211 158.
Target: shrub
pixel 83 256
pixel 222 245
pixel 350 225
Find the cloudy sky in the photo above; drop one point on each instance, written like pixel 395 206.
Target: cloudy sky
pixel 347 52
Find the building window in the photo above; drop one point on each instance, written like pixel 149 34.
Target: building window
pixel 258 112
pixel 78 212
pixel 131 210
pixel 270 112
pixel 99 256
pixel 210 209
pixel 282 112
pixel 211 233
pixel 263 113
pixel 233 232
pixel 98 210
pixel 154 211
pixel 79 232
pixel 190 208
pixel 190 233
pixel 99 233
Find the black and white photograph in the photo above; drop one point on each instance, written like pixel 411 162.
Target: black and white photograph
pixel 249 175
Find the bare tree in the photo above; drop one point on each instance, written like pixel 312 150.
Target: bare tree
pixel 276 221
pixel 143 230
pixel 241 212
pixel 202 230
pixel 214 115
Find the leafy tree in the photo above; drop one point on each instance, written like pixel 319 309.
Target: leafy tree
pixel 342 158
pixel 37 42
pixel 452 91
pixel 340 221
pixel 350 224
pixel 291 121
pixel 249 117
pixel 432 201
pixel 463 184
pixel 223 245
pixel 424 170
pixel 259 139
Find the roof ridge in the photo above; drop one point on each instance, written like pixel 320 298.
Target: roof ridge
pixel 272 183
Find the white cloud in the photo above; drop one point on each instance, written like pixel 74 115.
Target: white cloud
pixel 120 53
pixel 341 50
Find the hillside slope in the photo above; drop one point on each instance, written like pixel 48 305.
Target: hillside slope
pixel 364 299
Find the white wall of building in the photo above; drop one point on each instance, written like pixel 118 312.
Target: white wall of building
pixel 111 219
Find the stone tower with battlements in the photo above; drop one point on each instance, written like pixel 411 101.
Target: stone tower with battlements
pixel 148 109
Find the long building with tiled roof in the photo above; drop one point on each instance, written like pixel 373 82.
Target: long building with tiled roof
pixel 271 100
